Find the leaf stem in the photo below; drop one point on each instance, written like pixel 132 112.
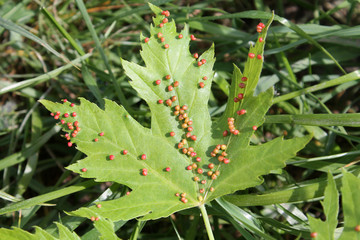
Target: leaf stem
pixel 206 221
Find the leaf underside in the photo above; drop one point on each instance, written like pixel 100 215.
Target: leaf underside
pixel 154 194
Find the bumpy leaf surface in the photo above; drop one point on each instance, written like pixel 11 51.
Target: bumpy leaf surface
pixel 162 184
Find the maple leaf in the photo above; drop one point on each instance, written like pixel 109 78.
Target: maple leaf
pixel 184 160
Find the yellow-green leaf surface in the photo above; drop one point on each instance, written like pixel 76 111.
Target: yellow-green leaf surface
pixel 163 183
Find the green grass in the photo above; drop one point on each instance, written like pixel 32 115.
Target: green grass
pixel 73 49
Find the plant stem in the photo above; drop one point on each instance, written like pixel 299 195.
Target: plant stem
pixel 207 222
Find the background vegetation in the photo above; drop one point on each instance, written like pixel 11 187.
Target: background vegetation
pixel 319 42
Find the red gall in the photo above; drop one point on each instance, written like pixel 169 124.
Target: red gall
pixel 168 102
pixel 313 234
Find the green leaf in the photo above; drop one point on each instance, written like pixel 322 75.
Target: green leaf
pixel 106 133
pixel 350 200
pixel 325 229
pixel 104 226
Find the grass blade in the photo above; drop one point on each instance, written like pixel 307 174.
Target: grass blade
pixel 337 81
pixel 62 31
pixel 92 85
pixel 47 197
pixel 15 28
pixel 19 157
pixel 348 119
pixel 42 78
pixel 254 14
pixel 93 33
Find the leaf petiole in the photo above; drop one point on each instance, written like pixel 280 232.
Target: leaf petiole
pixel 206 221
